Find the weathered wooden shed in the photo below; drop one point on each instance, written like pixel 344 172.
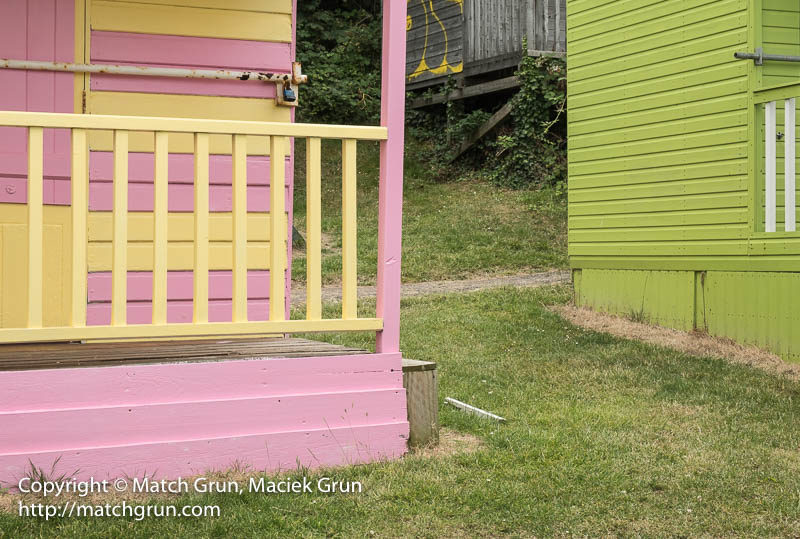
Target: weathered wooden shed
pixel 475 37
pixel 146 175
pixel 682 160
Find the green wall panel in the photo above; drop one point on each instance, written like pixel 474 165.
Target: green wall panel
pixel 661 297
pixel 758 308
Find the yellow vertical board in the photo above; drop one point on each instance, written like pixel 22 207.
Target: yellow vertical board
pixel 160 227
pixel 119 270
pixel 277 210
pixel 56 276
pixel 80 211
pixel 201 164
pixel 349 231
pixel 313 230
pixel 35 225
pixel 239 228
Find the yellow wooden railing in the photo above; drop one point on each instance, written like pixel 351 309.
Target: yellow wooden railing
pixel 121 126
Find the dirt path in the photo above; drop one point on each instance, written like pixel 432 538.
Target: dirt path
pixel 332 294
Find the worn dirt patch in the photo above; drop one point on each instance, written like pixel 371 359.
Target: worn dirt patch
pixel 692 343
pixel 451 442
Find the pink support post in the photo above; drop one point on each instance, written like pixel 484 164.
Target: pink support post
pixel 390 203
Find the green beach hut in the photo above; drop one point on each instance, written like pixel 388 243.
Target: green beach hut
pixel 682 153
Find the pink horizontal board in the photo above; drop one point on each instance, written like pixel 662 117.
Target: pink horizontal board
pixel 52 430
pixel 182 419
pixel 190 53
pixel 178 312
pixel 53 389
pixel 278 452
pixel 179 285
pixel 181 179
pixel 181 168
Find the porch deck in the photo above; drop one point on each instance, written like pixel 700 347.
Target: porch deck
pixel 19 357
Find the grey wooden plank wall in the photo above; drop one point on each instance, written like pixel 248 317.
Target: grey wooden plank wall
pixel 435 37
pixel 446 36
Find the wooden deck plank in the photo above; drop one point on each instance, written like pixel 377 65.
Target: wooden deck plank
pixel 69 355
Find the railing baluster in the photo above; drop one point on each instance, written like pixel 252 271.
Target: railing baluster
pixel 35 225
pixel 770 167
pixel 349 231
pixel 200 298
pixel 789 167
pixel 239 156
pixel 119 248
pixel 313 229
pixel 80 209
pixel 160 226
pixel 277 295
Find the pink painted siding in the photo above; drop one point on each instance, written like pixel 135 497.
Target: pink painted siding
pixel 181 180
pixel 191 53
pixel 179 294
pixel 35 30
pixel 189 418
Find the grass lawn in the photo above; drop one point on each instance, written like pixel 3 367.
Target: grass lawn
pixel 605 436
pixel 451 230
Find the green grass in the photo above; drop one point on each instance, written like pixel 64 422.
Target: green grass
pixel 604 436
pixel 451 230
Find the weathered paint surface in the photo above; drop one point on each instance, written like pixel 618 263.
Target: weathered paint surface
pixel 666 164
pixel 189 418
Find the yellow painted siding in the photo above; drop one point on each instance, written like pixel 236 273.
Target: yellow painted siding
pixel 14 265
pixel 658 132
pixel 193 18
pixel 183 106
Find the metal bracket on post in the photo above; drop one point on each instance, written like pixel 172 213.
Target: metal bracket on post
pixel 287 91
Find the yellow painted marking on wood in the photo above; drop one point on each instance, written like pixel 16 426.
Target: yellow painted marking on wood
pixel 349 232
pixel 180 256
pixel 79 210
pixel 277 309
pixel 138 331
pixel 142 18
pixel 239 228
pixel 119 270
pixel 160 227
pixel 35 225
pixel 313 230
pixel 200 297
pixel 260 6
pixel 187 124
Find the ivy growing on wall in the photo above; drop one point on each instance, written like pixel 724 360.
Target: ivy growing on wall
pixel 533 149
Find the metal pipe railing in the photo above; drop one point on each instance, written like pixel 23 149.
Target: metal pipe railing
pixel 760 57
pixel 295 77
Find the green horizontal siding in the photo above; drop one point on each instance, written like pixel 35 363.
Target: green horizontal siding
pixel 781 35
pixel 658 132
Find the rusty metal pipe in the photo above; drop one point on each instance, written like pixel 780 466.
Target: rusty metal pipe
pixel 295 77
